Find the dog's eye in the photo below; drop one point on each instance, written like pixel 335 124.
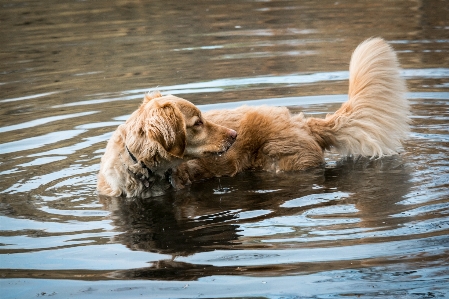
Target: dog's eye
pixel 198 123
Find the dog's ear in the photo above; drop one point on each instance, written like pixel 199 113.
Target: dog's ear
pixel 151 95
pixel 167 127
pixel 156 126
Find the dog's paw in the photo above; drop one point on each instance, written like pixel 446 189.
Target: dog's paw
pixel 180 177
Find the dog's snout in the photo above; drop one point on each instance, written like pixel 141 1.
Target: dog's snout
pixel 233 134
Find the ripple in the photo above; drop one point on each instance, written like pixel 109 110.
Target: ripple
pixel 339 253
pixel 34 96
pixel 264 32
pixel 69 150
pixel 112 256
pixel 314 199
pixel 42 161
pixel 250 55
pixel 238 83
pixel 38 141
pixel 75 213
pixel 45 120
pixel 17 225
pixel 47 180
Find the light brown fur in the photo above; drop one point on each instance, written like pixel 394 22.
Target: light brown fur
pixel 373 122
pixel 160 134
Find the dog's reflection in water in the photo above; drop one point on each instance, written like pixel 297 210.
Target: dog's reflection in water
pixel 206 216
pixel 170 226
pixel 209 215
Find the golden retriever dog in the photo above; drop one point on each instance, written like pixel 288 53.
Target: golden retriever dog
pixel 160 134
pixel 373 122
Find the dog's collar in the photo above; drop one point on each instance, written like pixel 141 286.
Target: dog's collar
pixel 144 166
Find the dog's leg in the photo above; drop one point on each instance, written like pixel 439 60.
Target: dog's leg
pixel 228 164
pixel 105 188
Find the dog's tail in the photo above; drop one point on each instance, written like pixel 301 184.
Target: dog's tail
pixel 375 119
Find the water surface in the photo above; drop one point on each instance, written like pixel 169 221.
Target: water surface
pixel 72 71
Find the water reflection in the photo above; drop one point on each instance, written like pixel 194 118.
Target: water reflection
pixel 307 212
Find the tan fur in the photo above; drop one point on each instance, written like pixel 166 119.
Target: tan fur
pixel 161 133
pixel 373 122
pixel 375 119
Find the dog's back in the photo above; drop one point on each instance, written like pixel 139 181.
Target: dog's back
pixel 373 122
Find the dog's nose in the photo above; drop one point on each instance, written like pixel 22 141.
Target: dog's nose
pixel 233 134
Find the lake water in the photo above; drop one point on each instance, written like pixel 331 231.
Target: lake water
pixel 72 71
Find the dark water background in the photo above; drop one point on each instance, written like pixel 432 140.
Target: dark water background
pixel 72 71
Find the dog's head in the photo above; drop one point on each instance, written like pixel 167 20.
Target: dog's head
pixel 177 127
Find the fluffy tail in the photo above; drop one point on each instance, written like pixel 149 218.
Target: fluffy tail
pixel 375 119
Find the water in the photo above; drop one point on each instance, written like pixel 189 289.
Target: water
pixel 73 71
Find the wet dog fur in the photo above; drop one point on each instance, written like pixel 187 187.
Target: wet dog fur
pixel 160 134
pixel 373 122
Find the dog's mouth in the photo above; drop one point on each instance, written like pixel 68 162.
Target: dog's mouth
pixel 221 151
pixel 221 148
